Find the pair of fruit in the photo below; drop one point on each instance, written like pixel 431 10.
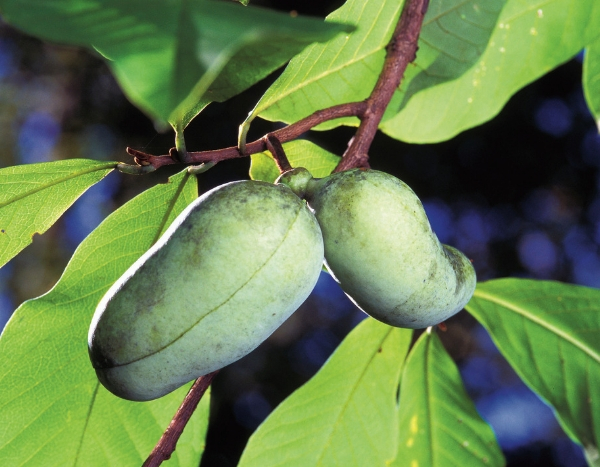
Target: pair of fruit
pixel 244 256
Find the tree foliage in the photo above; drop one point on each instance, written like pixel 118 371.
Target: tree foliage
pixel 377 400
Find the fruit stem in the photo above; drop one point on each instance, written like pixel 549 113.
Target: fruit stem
pixel 168 441
pixel 276 149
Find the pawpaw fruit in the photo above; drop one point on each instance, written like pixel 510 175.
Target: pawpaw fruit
pixel 232 267
pixel 380 247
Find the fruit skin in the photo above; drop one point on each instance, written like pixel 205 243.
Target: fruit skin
pixel 380 247
pixel 230 269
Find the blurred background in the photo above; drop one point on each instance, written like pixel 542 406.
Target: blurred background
pixel 519 195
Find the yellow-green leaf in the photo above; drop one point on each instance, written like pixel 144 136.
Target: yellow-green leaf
pixel 591 79
pixel 346 414
pixel 53 410
pixel 33 197
pixel 300 153
pixel 438 423
pixel 550 333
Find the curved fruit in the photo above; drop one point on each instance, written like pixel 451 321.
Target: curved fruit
pixel 380 247
pixel 231 268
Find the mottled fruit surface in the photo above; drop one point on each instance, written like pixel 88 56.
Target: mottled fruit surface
pixel 229 270
pixel 380 247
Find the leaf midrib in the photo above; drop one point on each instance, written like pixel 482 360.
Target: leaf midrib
pixel 344 406
pixel 540 322
pixel 57 181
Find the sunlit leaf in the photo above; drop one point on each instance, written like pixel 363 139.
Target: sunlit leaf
pixel 300 153
pixel 550 334
pixel 172 58
pixel 438 423
pixel 591 79
pixel 530 39
pixel 345 415
pixel 53 411
pixel 454 35
pixel 33 197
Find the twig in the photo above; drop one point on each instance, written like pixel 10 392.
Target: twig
pixel 401 50
pixel 168 441
pixel 289 133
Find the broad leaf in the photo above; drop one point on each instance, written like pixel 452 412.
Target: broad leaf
pixel 591 79
pixel 530 38
pixel 438 423
pixel 550 334
pixel 454 34
pixel 33 197
pixel 300 153
pixel 167 55
pixel 53 410
pixel 345 415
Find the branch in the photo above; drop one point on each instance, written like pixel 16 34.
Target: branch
pixel 168 441
pixel 401 51
pixel 289 133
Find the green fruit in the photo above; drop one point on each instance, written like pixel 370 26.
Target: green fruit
pixel 230 269
pixel 380 247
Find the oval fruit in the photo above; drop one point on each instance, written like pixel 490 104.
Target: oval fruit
pixel 230 269
pixel 380 247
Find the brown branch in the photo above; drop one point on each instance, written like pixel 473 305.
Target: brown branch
pixel 288 133
pixel 168 441
pixel 401 50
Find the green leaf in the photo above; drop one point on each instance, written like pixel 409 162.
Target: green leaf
pixel 300 153
pixel 438 424
pixel 344 69
pixel 454 34
pixel 550 333
pixel 33 197
pixel 345 415
pixel 591 79
pixel 172 58
pixel 530 39
pixel 53 411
